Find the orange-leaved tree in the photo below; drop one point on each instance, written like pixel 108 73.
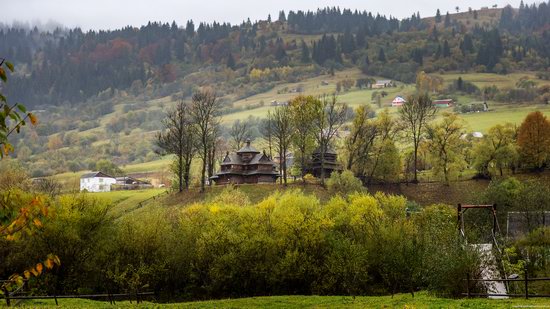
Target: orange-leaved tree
pixel 18 215
pixel 534 140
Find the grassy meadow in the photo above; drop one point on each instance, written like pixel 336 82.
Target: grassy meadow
pixel 420 300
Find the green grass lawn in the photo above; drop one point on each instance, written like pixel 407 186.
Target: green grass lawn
pixel 151 166
pixel 126 200
pixel 488 79
pixel 501 114
pixel 421 300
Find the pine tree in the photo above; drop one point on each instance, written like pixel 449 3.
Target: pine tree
pixel 190 29
pixel 447 23
pixel 438 16
pixel 381 55
pixel 438 52
pixel 435 33
pixel 446 49
pixel 282 16
pixel 305 53
pixel 230 62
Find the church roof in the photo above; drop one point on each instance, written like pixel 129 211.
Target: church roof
pixel 328 151
pixel 259 158
pixel 247 148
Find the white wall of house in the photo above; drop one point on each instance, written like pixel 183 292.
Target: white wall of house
pixel 97 184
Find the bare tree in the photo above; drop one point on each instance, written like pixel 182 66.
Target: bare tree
pixel 415 115
pixel 239 132
pixel 266 129
pixel 282 131
pixel 178 138
pixel 205 110
pixel 329 117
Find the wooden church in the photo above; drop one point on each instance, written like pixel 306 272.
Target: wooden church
pixel 247 165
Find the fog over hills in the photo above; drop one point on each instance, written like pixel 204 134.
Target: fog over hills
pixel 105 14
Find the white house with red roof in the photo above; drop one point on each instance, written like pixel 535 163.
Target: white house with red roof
pixel 398 101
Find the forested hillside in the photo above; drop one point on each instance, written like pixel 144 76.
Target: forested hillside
pixel 102 94
pixel 72 66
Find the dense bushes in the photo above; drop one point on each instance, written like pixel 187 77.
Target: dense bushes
pixel 287 244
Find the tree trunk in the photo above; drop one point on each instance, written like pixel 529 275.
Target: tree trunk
pixel 303 167
pixel 180 172
pixel 203 170
pixel 415 161
pixel 187 172
pixel 280 168
pixel 322 165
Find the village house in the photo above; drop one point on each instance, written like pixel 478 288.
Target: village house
pixel 96 182
pixel 383 84
pixel 330 163
pixel 247 165
pixel 398 101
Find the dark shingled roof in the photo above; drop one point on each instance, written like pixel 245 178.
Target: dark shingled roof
pixel 248 148
pixel 329 151
pixel 259 158
pixel 95 174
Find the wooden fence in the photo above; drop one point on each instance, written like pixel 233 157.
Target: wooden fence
pixel 526 280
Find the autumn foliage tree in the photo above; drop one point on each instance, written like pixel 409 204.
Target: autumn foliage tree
pixel 534 140
pixel 19 214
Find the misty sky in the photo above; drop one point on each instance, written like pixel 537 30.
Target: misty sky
pixel 110 14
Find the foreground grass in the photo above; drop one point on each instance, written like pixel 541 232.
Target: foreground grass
pixel 421 300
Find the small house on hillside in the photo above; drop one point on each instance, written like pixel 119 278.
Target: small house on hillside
pixel 443 103
pixel 398 101
pixel 247 165
pixel 383 84
pixel 96 182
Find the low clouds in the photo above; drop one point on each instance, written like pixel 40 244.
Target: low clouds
pixel 109 14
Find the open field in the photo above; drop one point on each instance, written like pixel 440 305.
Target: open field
pixel 501 114
pixel 489 79
pixel 420 300
pixel 125 200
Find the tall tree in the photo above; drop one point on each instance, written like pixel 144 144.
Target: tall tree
pixel 178 138
pixel 230 61
pixel 415 115
pixel 358 144
pixel 534 139
pixel 438 16
pixel 239 132
pixel 447 22
pixel 305 57
pixel 282 131
pixel 282 16
pixel 266 130
pixel 446 49
pixel 381 55
pixel 302 113
pixel 204 112
pixel 498 148
pixel 329 117
pixel 445 144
